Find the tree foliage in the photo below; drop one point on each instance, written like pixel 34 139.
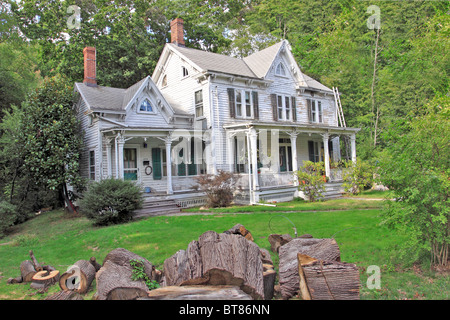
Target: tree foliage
pixel 51 137
pixel 416 167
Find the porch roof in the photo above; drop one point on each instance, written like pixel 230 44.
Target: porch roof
pixel 299 127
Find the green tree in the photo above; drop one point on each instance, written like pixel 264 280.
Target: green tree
pixel 51 137
pixel 415 167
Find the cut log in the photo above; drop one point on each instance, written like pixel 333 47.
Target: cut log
pixel 114 283
pixel 218 259
pixel 327 280
pixel 15 280
pixel 65 295
pixel 94 262
pixel 277 240
pixel 78 277
pixel 265 256
pixel 323 249
pixel 44 279
pixel 241 230
pixel 35 263
pixel 27 271
pixel 269 276
pixel 122 257
pixel 198 293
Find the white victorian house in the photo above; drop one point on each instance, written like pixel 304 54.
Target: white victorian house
pixel 201 112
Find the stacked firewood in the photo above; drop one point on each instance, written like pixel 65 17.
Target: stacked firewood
pixel 227 265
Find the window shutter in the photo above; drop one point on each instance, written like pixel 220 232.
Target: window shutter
pixel 156 162
pixel 231 102
pixel 255 105
pixel 308 104
pixel 294 109
pixel 311 151
pixel 273 99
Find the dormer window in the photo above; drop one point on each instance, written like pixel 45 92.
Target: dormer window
pixel 146 106
pixel 184 72
pixel 280 70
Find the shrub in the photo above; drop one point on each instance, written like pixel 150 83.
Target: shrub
pixel 111 201
pixel 8 214
pixel 218 188
pixel 310 180
pixel 357 176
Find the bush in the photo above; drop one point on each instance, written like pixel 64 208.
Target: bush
pixel 218 188
pixel 111 201
pixel 8 214
pixel 358 176
pixel 310 180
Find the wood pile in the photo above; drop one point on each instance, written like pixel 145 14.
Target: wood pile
pixel 216 266
pixel 311 267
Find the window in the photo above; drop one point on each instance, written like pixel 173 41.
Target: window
pixel 313 151
pixel 92 165
pixel 280 70
pixel 192 168
pixel 184 72
pixel 146 106
pixel 130 164
pixel 245 102
pixel 284 107
pixel 199 103
pixel 315 112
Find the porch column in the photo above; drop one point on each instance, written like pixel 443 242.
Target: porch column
pixel 293 135
pixel 353 146
pixel 119 159
pixel 254 157
pixel 168 142
pixel 326 138
pixel 108 157
pixel 230 151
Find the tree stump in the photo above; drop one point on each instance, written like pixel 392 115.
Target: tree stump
pixel 241 230
pixel 65 295
pixel 27 271
pixel 44 279
pixel 269 276
pixel 327 280
pixel 324 249
pixel 78 277
pixel 122 257
pixel 218 259
pixel 197 293
pixel 114 283
pixel 35 263
pixel 277 240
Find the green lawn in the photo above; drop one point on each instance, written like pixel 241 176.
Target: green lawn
pixel 60 240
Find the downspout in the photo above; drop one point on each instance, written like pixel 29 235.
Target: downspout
pixel 116 156
pixel 250 186
pixel 213 131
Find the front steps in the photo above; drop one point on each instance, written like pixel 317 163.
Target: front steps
pixel 333 190
pixel 157 207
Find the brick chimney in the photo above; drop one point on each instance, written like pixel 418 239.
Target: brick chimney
pixel 177 32
pixel 90 72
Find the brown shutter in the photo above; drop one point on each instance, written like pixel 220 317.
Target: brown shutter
pixel 255 105
pixel 273 99
pixel 294 109
pixel 308 104
pixel 231 102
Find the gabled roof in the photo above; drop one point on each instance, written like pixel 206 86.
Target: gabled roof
pixel 106 99
pixel 115 100
pixel 261 61
pixel 256 65
pixel 209 61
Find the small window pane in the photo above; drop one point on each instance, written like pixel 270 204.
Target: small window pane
pixel 146 106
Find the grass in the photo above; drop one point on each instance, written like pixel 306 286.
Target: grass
pixel 60 240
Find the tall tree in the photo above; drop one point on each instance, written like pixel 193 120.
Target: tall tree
pixel 51 137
